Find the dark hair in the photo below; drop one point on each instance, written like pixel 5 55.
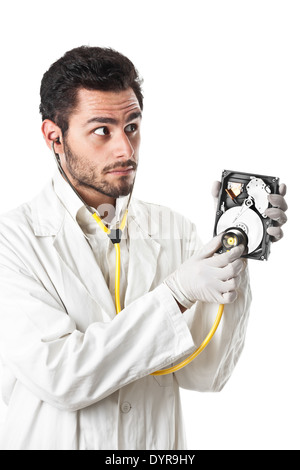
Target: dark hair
pixel 92 68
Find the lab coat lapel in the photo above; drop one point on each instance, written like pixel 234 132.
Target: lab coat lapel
pixel 75 252
pixel 143 260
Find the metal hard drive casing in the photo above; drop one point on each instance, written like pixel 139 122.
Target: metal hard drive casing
pixel 243 198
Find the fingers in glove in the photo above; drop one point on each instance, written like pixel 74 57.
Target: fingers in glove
pixel 278 201
pixel 211 247
pixel 277 215
pixel 229 297
pixel 220 261
pixel 276 233
pixel 229 290
pixel 282 189
pixel 232 270
pixel 215 190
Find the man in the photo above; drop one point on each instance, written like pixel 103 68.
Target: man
pixel 76 375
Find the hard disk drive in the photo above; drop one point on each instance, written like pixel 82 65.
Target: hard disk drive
pixel 242 202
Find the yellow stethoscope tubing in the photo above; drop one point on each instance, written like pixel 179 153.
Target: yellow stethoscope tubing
pixel 208 338
pixel 118 257
pixel 117 278
pixel 99 222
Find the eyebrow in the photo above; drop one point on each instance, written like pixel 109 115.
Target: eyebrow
pixel 108 120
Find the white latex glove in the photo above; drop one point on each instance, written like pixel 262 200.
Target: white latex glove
pixel 208 278
pixel 215 191
pixel 277 213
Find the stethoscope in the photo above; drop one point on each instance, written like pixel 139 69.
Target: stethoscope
pixel 115 236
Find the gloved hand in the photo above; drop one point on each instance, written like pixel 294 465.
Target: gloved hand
pixel 215 190
pixel 276 213
pixel 208 278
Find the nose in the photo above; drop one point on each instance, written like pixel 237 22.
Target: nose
pixel 123 147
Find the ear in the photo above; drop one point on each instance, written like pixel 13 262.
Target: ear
pixel 52 133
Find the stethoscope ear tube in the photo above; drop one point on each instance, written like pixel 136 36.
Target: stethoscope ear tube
pixel 63 173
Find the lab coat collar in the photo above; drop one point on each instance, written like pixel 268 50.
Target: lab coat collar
pixel 66 195
pixel 73 204
pixel 49 213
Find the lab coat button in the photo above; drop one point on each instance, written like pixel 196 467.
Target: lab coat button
pixel 125 407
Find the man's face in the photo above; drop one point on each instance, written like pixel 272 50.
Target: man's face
pixel 102 143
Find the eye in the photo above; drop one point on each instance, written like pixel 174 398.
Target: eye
pixel 101 131
pixel 131 128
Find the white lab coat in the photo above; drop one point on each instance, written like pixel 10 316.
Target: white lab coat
pixel 76 376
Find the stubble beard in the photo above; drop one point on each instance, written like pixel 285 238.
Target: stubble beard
pixel 88 177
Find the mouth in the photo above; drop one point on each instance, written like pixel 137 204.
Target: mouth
pixel 121 168
pixel 121 171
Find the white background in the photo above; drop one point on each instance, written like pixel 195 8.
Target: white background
pixel 222 90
